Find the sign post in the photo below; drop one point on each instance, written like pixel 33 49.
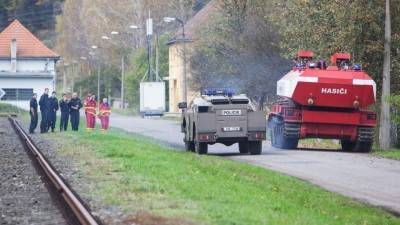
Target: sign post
pixel 2 93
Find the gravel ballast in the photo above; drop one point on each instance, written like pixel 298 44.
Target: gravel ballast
pixel 24 198
pixel 50 145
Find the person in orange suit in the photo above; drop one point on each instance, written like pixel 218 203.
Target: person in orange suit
pixel 104 114
pixel 90 111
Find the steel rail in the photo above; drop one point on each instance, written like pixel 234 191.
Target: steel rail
pixel 74 203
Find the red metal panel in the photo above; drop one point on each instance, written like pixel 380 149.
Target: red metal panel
pixel 333 94
pixel 329 117
pixel 305 54
pixel 329 131
pixel 340 55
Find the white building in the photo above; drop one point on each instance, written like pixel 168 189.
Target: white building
pixel 27 66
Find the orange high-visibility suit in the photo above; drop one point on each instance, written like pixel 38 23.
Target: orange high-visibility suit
pixel 90 111
pixel 104 115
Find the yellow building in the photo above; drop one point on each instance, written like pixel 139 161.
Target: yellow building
pixel 176 57
pixel 176 71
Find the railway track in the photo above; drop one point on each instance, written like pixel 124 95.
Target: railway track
pixel 68 201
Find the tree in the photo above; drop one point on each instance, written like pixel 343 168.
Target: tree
pixel 385 123
pixel 235 48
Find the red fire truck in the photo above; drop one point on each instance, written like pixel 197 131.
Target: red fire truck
pixel 321 101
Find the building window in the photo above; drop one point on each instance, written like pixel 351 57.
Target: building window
pixel 14 94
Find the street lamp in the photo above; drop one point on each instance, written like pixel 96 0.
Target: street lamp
pixel 173 19
pixel 95 47
pixel 184 80
pixel 133 27
pixel 169 19
pixel 104 37
pixel 64 64
pixel 122 72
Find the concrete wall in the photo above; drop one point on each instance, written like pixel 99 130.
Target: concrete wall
pixel 176 75
pixel 26 65
pixel 30 66
pixel 38 85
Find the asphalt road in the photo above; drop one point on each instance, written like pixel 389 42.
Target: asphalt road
pixel 363 177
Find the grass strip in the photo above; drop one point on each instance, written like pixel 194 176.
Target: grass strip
pixel 389 154
pixel 7 108
pixel 137 174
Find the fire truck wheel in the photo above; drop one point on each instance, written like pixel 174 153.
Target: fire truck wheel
pixel 201 148
pixel 363 147
pixel 356 146
pixel 255 147
pixel 348 146
pixel 244 147
pixel 290 143
pixel 278 138
pixel 189 146
pixel 275 133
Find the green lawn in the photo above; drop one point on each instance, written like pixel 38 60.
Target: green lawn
pixel 139 175
pixel 7 108
pixel 390 154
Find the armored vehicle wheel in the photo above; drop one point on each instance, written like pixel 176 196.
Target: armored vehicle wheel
pixel 255 147
pixel 201 148
pixel 189 146
pixel 244 147
pixel 283 135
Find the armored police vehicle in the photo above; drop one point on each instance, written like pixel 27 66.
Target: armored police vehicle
pixel 218 116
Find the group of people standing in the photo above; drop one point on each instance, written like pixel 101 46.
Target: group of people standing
pixel 70 111
pixel 90 106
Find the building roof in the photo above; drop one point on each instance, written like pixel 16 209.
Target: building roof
pixel 201 18
pixel 28 46
pixel 197 21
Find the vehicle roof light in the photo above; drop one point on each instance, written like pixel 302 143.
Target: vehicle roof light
pixel 357 67
pixel 218 91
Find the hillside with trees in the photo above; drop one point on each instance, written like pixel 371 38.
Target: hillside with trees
pixel 39 16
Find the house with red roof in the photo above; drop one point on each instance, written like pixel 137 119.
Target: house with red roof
pixel 27 66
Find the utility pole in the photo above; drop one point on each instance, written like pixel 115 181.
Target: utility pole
pixel 149 34
pixel 157 58
pixel 64 78
pixel 73 74
pixel 184 64
pixel 184 69
pixel 98 80
pixel 385 123
pixel 123 81
pixel 184 80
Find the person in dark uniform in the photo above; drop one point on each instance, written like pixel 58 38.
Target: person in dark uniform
pixel 74 106
pixel 53 108
pixel 33 112
pixel 44 109
pixel 64 108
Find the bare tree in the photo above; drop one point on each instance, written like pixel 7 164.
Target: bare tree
pixel 384 131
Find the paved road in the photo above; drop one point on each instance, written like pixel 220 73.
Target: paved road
pixel 360 176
